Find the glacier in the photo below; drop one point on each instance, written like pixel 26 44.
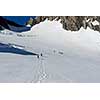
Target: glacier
pixel 64 56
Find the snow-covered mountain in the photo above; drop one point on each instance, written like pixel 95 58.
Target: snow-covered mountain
pixel 72 23
pixel 58 55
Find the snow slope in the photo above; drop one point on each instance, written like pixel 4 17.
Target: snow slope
pixel 64 56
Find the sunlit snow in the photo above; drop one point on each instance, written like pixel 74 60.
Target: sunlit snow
pixel 64 56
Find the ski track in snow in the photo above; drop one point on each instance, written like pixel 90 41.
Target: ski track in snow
pixel 41 73
pixel 67 56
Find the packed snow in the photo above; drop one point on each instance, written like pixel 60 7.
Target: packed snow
pixel 58 55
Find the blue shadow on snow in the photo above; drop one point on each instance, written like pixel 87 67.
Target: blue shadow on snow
pixel 6 48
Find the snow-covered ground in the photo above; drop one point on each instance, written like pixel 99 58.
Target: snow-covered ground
pixel 64 56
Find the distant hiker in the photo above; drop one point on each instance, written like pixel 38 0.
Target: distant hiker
pixel 41 54
pixel 38 56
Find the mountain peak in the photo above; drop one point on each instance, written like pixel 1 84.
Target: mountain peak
pixel 72 23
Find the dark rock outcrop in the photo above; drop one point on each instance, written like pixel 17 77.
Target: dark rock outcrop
pixel 72 23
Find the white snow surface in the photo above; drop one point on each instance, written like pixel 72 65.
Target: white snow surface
pixel 66 56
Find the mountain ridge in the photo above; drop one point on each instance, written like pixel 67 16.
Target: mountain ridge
pixel 72 23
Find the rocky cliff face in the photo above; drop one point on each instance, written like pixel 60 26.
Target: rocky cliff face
pixel 72 23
